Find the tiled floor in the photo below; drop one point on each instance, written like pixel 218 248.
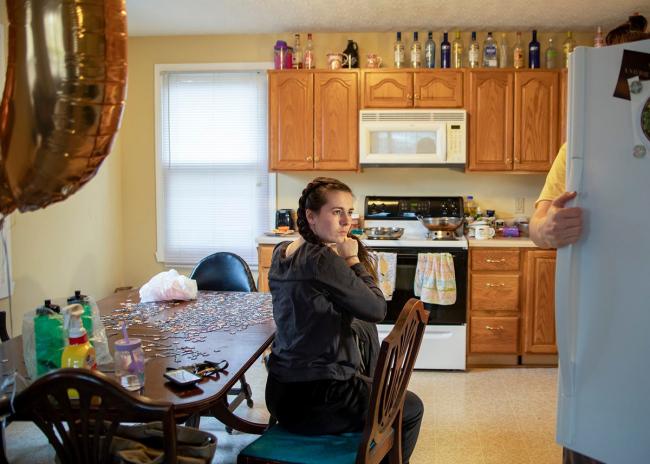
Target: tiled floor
pixel 487 416
pixel 483 416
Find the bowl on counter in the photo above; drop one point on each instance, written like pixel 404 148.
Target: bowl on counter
pixel 383 233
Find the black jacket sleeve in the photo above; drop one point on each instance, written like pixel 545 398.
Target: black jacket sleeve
pixel 351 289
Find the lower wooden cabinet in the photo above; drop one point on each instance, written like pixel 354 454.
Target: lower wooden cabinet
pixel 499 334
pixel 264 255
pixel 539 331
pixel 512 301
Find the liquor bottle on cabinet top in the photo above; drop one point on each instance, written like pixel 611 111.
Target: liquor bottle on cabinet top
pixel 551 55
pixel 504 52
pixel 430 52
pixel 474 52
pixel 309 60
pixel 296 59
pixel 398 52
pixel 457 51
pixel 598 38
pixel 533 52
pixel 567 47
pixel 490 52
pixel 445 52
pixel 518 53
pixel 416 52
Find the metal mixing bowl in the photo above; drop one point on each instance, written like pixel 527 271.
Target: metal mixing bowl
pixel 441 223
pixel 383 233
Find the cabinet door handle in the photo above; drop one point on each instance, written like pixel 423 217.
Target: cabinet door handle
pixel 408 96
pixel 308 158
pixel 417 97
pixel 491 285
pixel 490 260
pixel 316 158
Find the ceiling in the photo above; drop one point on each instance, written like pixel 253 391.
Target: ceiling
pixel 202 17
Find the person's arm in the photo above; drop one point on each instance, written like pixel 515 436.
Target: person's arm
pixel 555 225
pixel 350 287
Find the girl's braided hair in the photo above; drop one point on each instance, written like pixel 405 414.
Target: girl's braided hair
pixel 313 197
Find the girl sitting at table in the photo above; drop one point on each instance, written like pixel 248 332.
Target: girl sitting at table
pixel 325 304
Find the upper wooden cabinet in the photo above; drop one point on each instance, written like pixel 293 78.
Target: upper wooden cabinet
pixel 536 120
pixel 313 120
pixel 564 93
pixel 491 116
pixel 440 88
pixel 513 118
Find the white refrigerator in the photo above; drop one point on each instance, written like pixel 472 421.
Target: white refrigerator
pixel 603 281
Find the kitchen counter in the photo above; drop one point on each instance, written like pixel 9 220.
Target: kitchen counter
pixel 507 242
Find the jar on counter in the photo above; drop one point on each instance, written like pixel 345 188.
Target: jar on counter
pixel 129 363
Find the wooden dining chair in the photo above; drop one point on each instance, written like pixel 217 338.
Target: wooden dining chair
pixel 81 430
pixel 381 436
pixel 227 272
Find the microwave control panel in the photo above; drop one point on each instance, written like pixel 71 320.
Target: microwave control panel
pixel 456 142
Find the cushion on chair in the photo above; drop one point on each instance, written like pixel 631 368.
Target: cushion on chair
pixel 277 444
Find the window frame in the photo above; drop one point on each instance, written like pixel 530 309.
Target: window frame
pixel 159 69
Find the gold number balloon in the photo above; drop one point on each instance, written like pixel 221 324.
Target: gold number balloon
pixel 63 97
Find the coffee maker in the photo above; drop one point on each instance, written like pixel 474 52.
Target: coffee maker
pixel 284 218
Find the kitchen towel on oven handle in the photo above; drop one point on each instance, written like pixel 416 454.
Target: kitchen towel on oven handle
pixel 435 278
pixel 386 267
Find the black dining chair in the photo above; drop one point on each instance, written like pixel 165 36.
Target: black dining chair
pixel 223 271
pixel 227 272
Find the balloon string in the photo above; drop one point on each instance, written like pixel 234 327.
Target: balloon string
pixel 7 274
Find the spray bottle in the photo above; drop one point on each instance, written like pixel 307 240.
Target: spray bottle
pixel 79 352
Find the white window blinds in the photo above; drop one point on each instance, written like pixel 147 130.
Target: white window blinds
pixel 214 189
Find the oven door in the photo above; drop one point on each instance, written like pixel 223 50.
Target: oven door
pixel 407 260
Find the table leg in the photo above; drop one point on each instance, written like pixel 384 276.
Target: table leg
pixel 221 412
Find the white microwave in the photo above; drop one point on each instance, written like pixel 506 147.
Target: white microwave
pixel 412 137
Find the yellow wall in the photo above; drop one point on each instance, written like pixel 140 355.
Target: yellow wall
pixel 138 144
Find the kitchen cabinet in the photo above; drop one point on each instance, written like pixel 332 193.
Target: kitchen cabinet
pixel 512 303
pixel 539 313
pixel 513 117
pixel 440 88
pixel 264 255
pixel 494 300
pixel 313 120
pixel 564 93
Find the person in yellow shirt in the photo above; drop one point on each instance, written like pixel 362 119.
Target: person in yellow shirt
pixel 554 224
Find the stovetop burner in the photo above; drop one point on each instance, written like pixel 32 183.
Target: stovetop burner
pixel 441 235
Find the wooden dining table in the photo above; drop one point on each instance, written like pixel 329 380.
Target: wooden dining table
pixel 214 327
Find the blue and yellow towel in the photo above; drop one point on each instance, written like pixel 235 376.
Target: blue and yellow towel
pixel 435 279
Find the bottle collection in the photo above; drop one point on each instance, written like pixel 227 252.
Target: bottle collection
pixel 492 53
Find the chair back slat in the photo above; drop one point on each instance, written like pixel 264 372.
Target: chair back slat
pixel 81 429
pixel 392 374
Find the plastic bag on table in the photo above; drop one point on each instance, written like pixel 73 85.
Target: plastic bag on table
pixel 94 326
pixel 167 286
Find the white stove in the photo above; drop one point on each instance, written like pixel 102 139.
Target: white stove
pixel 444 342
